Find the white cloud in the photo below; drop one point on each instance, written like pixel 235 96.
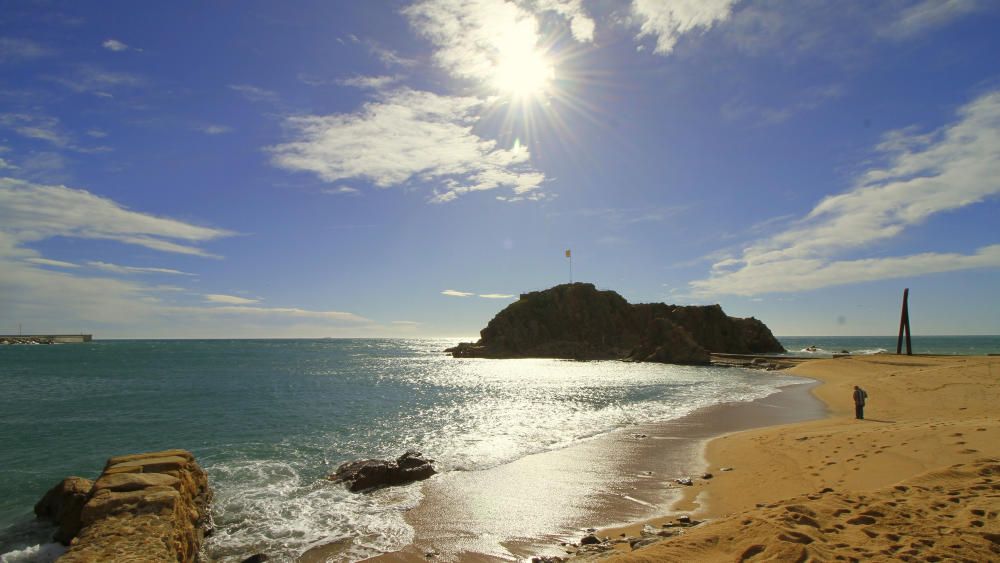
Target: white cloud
pixel 228 299
pixel 456 293
pixel 406 323
pixel 114 45
pixel 495 295
pixel 31 212
pixel 803 274
pixel 5 165
pixel 928 15
pixel 581 24
pixel 953 167
pixel 115 268
pixel 667 21
pixel 407 135
pixel 469 34
pixel 370 82
pixel 215 129
pixel 255 94
pixel 47 262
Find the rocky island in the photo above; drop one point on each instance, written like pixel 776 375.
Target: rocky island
pixel 578 321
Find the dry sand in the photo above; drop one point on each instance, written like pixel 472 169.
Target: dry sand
pixel 918 480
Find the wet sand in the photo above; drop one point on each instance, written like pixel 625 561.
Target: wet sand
pixel 529 507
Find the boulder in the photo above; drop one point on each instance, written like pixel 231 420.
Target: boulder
pixel 62 505
pixel 577 321
pixel 370 473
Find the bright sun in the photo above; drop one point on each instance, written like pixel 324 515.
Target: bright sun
pixel 523 72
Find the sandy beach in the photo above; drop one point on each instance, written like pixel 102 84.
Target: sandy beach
pixel 918 479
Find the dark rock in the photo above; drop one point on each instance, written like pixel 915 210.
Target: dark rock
pixel 576 321
pixel 590 539
pixel 62 505
pixel 707 476
pixel 684 481
pixel 256 558
pixel 369 473
pixel 638 543
pixel 684 519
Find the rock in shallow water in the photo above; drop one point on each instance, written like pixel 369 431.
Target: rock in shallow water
pixel 369 473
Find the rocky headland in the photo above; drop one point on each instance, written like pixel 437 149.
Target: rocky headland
pixel 578 321
pixel 144 507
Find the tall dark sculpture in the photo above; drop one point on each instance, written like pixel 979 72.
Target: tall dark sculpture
pixel 904 324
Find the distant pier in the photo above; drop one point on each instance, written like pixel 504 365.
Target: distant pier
pixel 44 338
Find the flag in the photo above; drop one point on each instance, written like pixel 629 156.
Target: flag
pixel 567 253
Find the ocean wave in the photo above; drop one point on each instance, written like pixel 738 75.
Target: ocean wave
pixel 42 553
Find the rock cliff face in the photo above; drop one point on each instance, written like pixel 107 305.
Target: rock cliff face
pixel 143 507
pixel 577 321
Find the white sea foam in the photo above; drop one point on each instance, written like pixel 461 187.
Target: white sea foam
pixel 42 553
pixel 270 507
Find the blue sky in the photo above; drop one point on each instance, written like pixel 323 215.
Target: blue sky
pixel 408 168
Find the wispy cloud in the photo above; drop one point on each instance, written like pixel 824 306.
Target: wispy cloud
pixel 925 174
pixel 48 262
pixel 495 295
pixel 117 269
pixel 803 102
pixel 215 129
pixel 342 190
pixel 928 15
pixel 16 49
pixel 668 21
pixel 32 212
pixel 456 293
pixel 255 94
pixel 428 136
pixel 370 82
pixel 40 127
pixel 280 311
pixel 98 81
pixel 229 299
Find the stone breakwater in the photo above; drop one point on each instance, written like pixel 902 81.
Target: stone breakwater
pixel 148 507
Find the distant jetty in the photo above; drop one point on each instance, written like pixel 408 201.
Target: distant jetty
pixel 45 338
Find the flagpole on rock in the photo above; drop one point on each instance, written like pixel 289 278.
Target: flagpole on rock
pixel 570 256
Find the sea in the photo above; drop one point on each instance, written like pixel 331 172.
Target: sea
pixel 270 419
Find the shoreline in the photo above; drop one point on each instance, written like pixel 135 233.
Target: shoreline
pixel 917 472
pixel 530 506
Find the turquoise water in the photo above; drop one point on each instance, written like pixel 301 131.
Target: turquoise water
pixel 827 345
pixel 269 419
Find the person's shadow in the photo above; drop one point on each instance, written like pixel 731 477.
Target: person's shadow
pixel 877 420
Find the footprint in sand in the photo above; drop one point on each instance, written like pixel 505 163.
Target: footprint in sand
pixel 968 451
pixel 860 520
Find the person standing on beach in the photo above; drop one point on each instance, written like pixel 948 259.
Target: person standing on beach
pixel 859 402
